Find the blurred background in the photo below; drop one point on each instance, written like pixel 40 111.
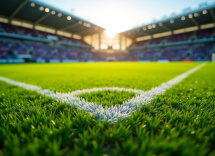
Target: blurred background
pixel 51 31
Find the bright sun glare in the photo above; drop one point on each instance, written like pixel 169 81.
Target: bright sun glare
pixel 112 17
pixel 110 33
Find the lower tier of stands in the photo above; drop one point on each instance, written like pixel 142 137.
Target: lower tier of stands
pixel 33 51
pixel 198 52
pixel 17 51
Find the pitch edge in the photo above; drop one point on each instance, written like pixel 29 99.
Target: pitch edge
pixel 112 114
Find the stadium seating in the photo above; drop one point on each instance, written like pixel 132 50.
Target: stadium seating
pixel 175 53
pixel 178 52
pixel 10 49
pixel 11 29
pixel 202 51
pixel 179 37
pixel 205 33
pixel 156 40
pixel 13 48
pixel 8 28
pixel 41 51
pixel 27 31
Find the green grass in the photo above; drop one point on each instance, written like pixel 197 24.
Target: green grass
pixel 108 98
pixel 70 77
pixel 178 122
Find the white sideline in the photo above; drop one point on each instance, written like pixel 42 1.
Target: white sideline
pixel 111 113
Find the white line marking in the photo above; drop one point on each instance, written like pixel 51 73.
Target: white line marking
pixel 111 113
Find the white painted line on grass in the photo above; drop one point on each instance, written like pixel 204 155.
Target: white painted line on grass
pixel 111 113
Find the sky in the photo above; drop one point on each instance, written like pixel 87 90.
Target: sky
pixel 120 15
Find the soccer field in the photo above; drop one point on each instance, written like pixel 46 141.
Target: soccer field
pixel 175 118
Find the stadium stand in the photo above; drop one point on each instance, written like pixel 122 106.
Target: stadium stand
pixel 12 48
pixel 179 53
pixel 179 37
pixel 202 52
pixel 174 38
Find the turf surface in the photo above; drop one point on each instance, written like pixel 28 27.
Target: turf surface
pixel 179 122
pixel 108 98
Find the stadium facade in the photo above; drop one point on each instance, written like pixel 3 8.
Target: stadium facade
pixel 32 31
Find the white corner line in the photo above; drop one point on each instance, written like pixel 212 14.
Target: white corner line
pixel 111 113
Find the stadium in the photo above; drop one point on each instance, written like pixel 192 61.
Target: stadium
pixel 70 87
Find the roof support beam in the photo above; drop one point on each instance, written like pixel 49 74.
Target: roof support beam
pixel 18 9
pixel 42 18
pixel 69 26
pixel 194 21
pixel 212 14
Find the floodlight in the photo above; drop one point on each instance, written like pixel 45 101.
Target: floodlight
pixel 144 28
pixel 32 4
pixel 196 14
pixel 183 18
pixel 190 15
pixel 59 14
pixel 47 10
pixel 41 8
pixel 69 18
pixel 204 12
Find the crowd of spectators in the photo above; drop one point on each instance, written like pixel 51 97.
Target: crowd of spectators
pixel 175 53
pixel 197 52
pixel 202 51
pixel 13 48
pixel 205 33
pixel 10 49
pixel 12 29
pixel 179 37
pixel 200 34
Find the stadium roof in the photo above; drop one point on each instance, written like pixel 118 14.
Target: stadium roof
pixel 205 14
pixel 37 13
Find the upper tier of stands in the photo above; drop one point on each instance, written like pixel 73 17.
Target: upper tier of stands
pixel 12 29
pixel 198 35
pixel 197 52
pixel 163 48
pixel 10 48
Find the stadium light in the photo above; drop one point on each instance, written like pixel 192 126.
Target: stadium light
pixel 80 22
pixel 32 4
pixel 47 10
pixel 183 18
pixel 204 12
pixel 149 27
pixel 190 15
pixel 53 12
pixel 59 14
pixel 41 8
pixel 196 14
pixel 144 28
pixel 153 26
pixel 69 18
pixel 160 24
pixel 172 21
